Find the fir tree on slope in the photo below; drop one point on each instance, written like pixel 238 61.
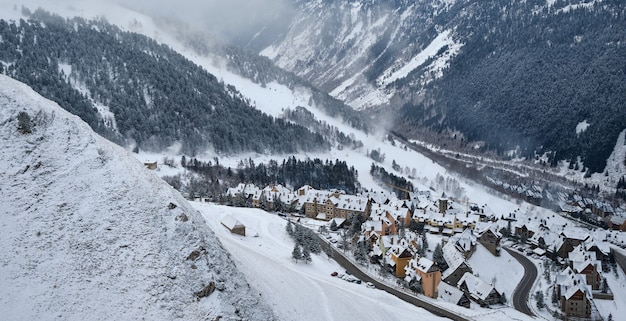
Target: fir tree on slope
pixel 438 257
pixel 306 254
pixel 296 254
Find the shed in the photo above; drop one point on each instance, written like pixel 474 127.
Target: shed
pixel 233 225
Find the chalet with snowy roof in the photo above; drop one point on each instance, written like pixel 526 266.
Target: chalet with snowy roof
pixel 603 209
pixel 584 262
pixel 550 242
pixel 569 209
pixel 274 194
pixel 575 236
pixel 574 294
pixel 464 242
pixel 457 265
pixel 427 272
pixel 600 248
pixel 371 227
pixel 450 294
pixel 618 223
pixel 233 225
pixel 478 290
pixel 490 239
pixel 325 205
pixel 398 256
pixel 247 191
pixel 526 229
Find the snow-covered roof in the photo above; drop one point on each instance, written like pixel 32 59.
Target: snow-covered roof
pixel 424 265
pixel 448 293
pixel 453 257
pixel 231 222
pixel 570 283
pixel 476 287
pixel 465 240
pixel 603 246
pixel 376 226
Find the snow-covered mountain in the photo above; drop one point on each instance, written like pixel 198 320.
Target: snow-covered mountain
pixel 88 233
pixel 506 76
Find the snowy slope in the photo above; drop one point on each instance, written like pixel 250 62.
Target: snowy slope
pixel 88 233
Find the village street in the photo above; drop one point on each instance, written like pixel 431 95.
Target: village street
pixel 522 292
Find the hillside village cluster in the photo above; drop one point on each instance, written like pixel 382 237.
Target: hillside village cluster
pixel 388 230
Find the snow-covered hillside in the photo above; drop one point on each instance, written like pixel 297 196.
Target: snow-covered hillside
pixel 87 233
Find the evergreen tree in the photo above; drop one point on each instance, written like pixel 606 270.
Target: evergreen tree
pixel 289 228
pixel 424 241
pixel 605 286
pixel 555 298
pixel 333 226
pixel 263 203
pixel 401 230
pixel 296 253
pixel 355 224
pixel 503 298
pixel 539 298
pixel 360 253
pixel 306 254
pixel 329 251
pixel 416 286
pixel 438 257
pixel 24 123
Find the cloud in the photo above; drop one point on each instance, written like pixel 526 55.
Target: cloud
pixel 226 19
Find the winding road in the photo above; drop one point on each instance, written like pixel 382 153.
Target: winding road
pixel 522 291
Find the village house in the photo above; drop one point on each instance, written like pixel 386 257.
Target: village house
pixel 617 222
pixel 457 265
pixel 450 294
pixel 584 262
pixel 325 205
pixel 464 242
pixel 233 225
pixel 574 294
pixel 478 290
pixel 398 256
pixel 428 273
pixel 490 239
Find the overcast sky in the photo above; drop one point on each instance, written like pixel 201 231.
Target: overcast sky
pixel 223 18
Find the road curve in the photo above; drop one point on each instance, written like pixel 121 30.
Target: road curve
pixel 522 291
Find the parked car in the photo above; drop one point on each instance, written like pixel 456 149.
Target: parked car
pixel 334 274
pixel 357 281
pixel 370 285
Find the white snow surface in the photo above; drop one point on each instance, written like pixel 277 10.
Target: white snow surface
pixel 503 272
pixel 431 50
pixel 582 127
pixel 87 232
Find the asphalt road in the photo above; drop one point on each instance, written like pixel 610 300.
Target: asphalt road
pixel 522 291
pixel 346 264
